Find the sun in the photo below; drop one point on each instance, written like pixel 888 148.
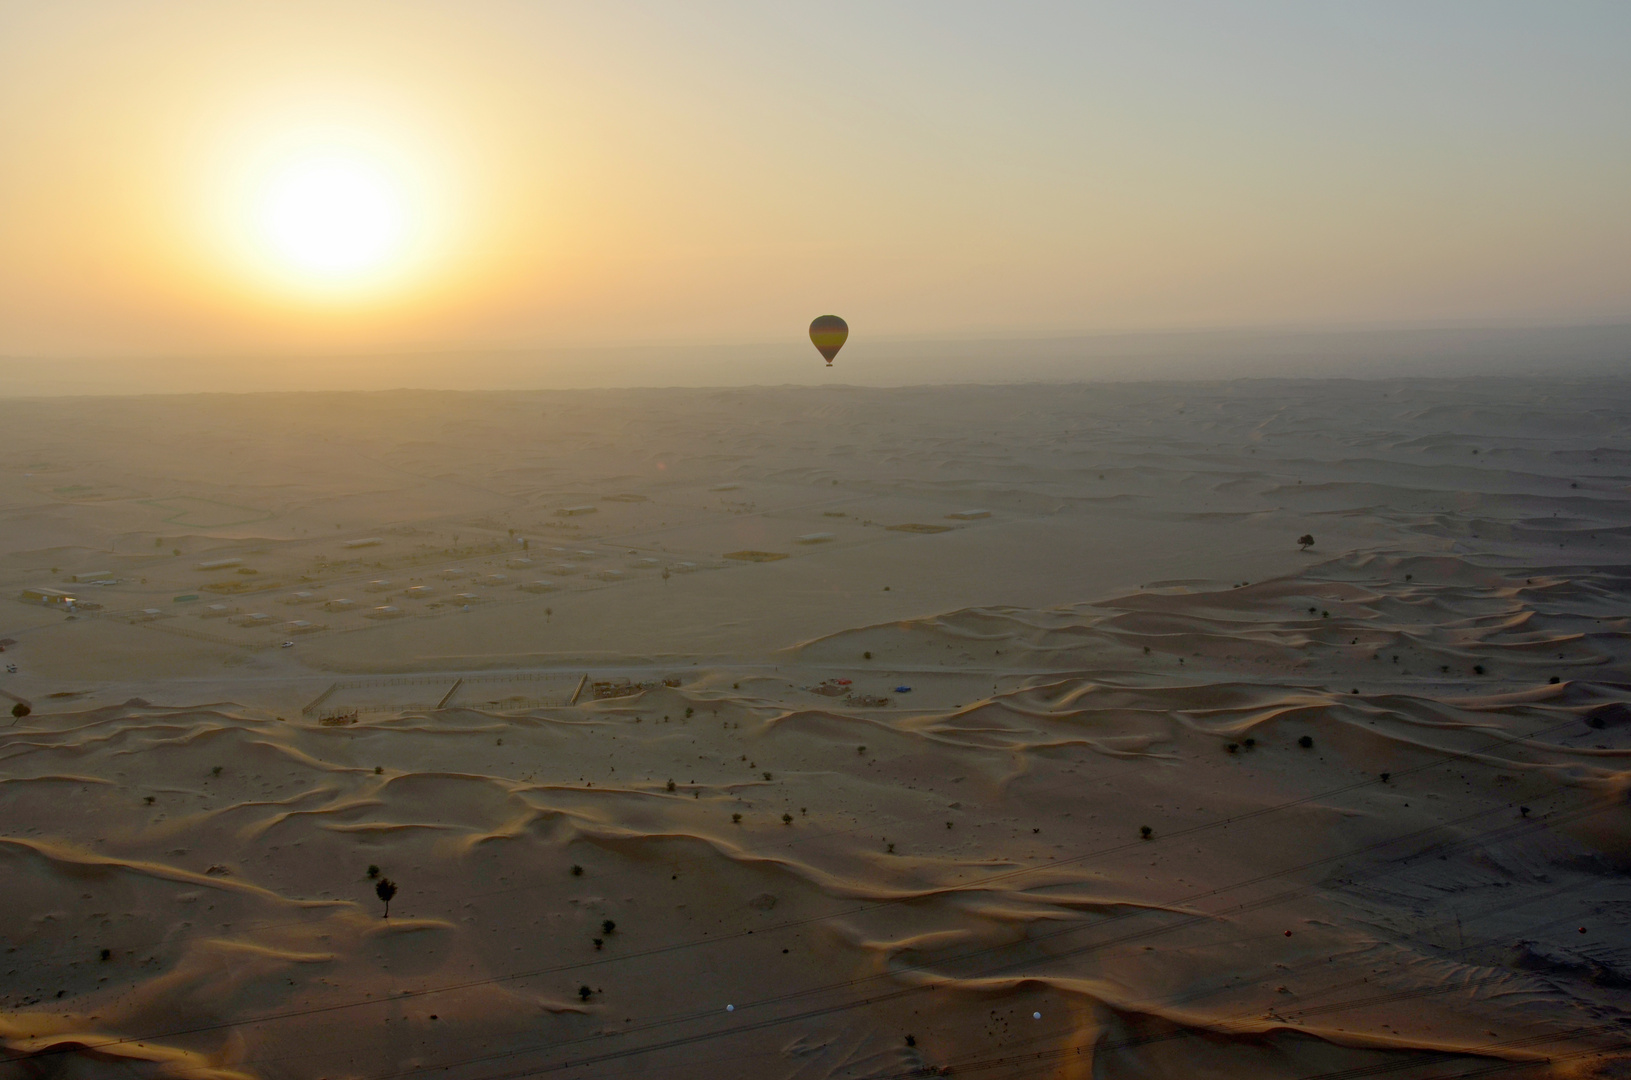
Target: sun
pixel 333 217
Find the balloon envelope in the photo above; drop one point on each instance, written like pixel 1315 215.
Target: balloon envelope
pixel 828 334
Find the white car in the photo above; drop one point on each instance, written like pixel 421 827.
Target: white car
pixel 288 644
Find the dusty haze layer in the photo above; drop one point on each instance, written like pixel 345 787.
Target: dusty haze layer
pixel 979 731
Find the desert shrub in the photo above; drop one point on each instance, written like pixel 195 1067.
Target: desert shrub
pixel 385 890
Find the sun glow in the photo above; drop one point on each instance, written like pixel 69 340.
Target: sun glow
pixel 332 216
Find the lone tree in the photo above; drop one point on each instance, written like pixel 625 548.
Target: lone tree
pixel 20 710
pixel 385 889
pixel 1306 540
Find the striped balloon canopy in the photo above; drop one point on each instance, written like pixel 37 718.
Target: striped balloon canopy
pixel 828 335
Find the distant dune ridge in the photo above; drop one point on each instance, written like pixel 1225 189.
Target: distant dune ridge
pixel 1364 352
pixel 1108 778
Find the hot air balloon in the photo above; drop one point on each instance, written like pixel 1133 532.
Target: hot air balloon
pixel 828 335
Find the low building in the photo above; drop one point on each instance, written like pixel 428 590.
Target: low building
pixel 339 604
pixel 47 597
pixel 90 575
pixel 418 592
pixel 379 585
pixel 540 586
pixel 367 541
pixel 574 511
pixel 218 564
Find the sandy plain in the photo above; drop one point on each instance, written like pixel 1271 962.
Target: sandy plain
pixel 806 733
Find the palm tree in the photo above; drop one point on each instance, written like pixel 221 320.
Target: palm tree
pixel 385 890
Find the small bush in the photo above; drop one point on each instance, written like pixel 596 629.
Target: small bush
pixel 866 656
pixel 373 871
pixel 385 890
pixel 787 819
pixel 1145 832
pixel 766 776
pixel 671 785
pixel 1305 742
pixel 584 992
pixel 20 710
pixel 577 871
pixel 1478 669
pixel 106 954
pixel 736 819
pixel 608 927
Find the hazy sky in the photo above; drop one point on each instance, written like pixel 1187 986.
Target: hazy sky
pixel 255 176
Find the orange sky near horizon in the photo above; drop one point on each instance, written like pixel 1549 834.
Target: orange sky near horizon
pixel 183 177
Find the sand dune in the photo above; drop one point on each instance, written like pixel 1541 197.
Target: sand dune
pixel 1116 782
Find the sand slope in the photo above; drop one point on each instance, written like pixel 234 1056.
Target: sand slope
pixel 1386 783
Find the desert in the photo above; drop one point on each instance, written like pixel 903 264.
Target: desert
pixel 809 732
